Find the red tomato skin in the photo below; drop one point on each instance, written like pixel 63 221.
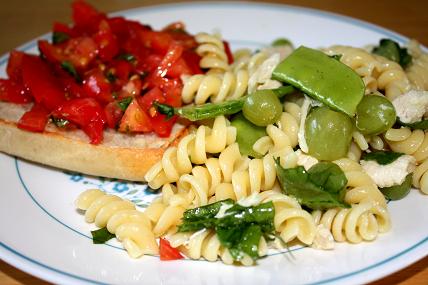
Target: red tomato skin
pixel 41 82
pixel 13 92
pixel 228 52
pixel 167 252
pixel 85 17
pixel 35 119
pixel 106 41
pixel 192 59
pixel 135 120
pixel 161 125
pixel 62 28
pixel 14 65
pixel 113 114
pixel 154 94
pixel 97 86
pixel 86 113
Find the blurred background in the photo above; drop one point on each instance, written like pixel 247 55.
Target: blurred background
pixel 22 20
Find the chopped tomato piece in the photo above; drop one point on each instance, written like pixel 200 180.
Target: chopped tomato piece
pixel 132 88
pixel 42 83
pixel 86 17
pixel 192 59
pixel 97 86
pixel 62 28
pixel 172 89
pixel 228 52
pixel 35 119
pixel 135 119
pixel 179 68
pixel 13 92
pixel 167 252
pixel 153 95
pixel 52 53
pixel 162 125
pixel 108 47
pixel 86 113
pixel 113 114
pixel 121 69
pixel 158 41
pixel 81 51
pixel 14 65
pixel 173 54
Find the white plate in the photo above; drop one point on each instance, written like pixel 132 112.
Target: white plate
pixel 44 235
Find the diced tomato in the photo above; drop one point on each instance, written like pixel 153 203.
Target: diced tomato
pixel 162 125
pixel 228 52
pixel 87 113
pixel 154 95
pixel 172 90
pixel 71 88
pixel 132 88
pixel 113 114
pixel 171 57
pixel 158 41
pixel 179 68
pixel 97 86
pixel 108 47
pixel 81 51
pixel 167 252
pixel 35 119
pixel 121 69
pixel 52 53
pixel 86 17
pixel 14 65
pixel 192 60
pixel 13 92
pixel 42 83
pixel 135 119
pixel 62 28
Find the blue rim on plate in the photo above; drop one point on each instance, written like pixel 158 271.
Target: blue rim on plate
pixel 150 9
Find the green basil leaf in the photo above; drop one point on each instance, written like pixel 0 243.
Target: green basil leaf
pixel 60 123
pixel 398 192
pixel 305 187
pixel 382 157
pixel 421 125
pixel 124 103
pixel 128 57
pixel 101 236
pixel 392 51
pixel 59 37
pixel 68 66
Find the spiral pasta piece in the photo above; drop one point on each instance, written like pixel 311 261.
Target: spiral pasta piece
pixel 215 87
pixel 377 72
pixel 212 51
pixel 205 244
pixel 193 148
pixel 121 218
pixel 203 180
pixel 410 142
pixel 363 221
pixel 417 72
pixel 420 176
pixel 360 186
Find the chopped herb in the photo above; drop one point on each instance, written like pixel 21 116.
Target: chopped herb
pixel 164 109
pixel 101 236
pixel 239 230
pixel 111 77
pixel 398 192
pixel 124 103
pixel 323 186
pixel 128 57
pixel 392 51
pixel 382 157
pixel 68 66
pixel 336 56
pixel 60 123
pixel 421 125
pixel 59 37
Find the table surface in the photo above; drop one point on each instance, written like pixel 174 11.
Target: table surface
pixel 22 20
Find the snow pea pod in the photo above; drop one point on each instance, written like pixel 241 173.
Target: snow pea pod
pixel 323 78
pixel 212 110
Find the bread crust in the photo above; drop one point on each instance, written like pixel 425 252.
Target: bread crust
pixel 68 151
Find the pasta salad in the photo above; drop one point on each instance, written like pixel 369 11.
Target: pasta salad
pixel 288 145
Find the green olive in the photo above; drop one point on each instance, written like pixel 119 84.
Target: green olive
pixel 328 133
pixel 375 115
pixel 262 108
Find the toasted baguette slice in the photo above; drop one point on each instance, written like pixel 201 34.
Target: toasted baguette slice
pixel 120 155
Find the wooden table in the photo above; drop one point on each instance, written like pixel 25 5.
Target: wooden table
pixel 22 20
